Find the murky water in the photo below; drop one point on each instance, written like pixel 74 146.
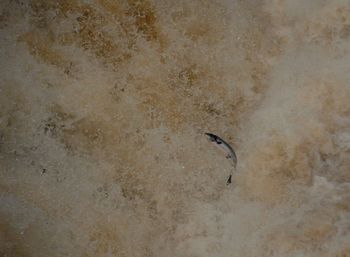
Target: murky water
pixel 104 105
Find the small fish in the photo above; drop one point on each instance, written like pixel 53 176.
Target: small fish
pixel 230 153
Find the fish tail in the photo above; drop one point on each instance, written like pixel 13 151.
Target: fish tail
pixel 229 180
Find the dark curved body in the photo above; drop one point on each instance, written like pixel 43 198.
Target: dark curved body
pixel 226 147
pixel 223 144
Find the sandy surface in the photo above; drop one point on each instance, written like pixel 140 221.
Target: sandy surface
pixel 103 106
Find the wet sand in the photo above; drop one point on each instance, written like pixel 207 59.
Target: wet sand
pixel 103 109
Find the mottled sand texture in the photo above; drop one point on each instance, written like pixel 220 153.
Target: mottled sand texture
pixel 103 106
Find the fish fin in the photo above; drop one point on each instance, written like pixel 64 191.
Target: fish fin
pixel 229 180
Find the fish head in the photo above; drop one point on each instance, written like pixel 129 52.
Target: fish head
pixel 211 137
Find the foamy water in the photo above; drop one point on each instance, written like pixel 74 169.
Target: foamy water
pixel 104 106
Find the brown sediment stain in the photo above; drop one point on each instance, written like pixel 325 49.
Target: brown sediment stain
pixel 316 228
pixel 258 42
pixel 278 165
pixel 182 96
pixel 200 27
pixel 135 180
pixel 162 108
pixel 196 31
pixel 189 75
pixel 145 18
pixel 89 32
pixel 333 94
pixel 114 239
pixel 97 138
pixel 185 89
pixel 186 80
pixel 41 46
pixel 104 241
pixel 283 162
pixel 202 31
pixel 142 13
pixel 86 134
pixel 157 101
pixel 93 38
pixel 100 139
pixel 136 18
